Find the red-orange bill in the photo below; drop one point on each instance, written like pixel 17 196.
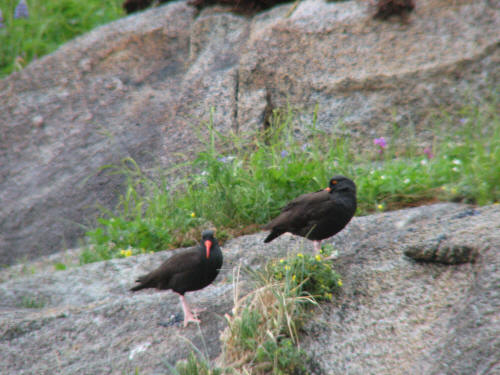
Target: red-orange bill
pixel 208 245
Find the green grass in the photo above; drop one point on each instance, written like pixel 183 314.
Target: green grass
pixel 50 24
pixel 32 302
pixel 195 365
pixel 60 266
pixel 312 274
pixel 242 188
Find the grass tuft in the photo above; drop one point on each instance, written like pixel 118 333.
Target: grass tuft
pixel 32 302
pixel 195 365
pixel 263 330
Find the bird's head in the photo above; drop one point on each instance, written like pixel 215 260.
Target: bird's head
pixel 207 240
pixel 341 183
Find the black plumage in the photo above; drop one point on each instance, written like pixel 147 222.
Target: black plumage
pixel 187 271
pixel 318 215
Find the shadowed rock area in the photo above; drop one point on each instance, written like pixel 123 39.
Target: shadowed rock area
pixel 394 316
pixel 139 86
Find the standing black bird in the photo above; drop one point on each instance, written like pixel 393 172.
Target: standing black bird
pixel 318 215
pixel 186 271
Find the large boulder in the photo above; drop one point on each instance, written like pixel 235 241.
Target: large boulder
pixel 394 315
pixel 139 86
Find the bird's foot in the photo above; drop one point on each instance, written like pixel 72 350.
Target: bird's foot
pixel 190 318
pixel 188 315
pixel 317 246
pixel 196 311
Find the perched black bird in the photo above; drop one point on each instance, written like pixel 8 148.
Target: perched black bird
pixel 318 215
pixel 186 271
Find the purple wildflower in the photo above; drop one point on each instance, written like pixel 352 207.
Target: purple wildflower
pixel 305 146
pixel 284 153
pixel 428 152
pixel 21 10
pixel 381 143
pixel 1 19
pixel 222 159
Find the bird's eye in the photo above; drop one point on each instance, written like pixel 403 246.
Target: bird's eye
pixel 333 182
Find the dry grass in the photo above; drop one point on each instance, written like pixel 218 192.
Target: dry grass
pixel 263 318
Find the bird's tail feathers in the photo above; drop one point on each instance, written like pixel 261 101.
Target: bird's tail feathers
pixel 274 233
pixel 144 282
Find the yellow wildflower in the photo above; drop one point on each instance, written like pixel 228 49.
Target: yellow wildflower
pixel 287 268
pixel 193 214
pixel 328 296
pixel 380 206
pixel 318 257
pixel 339 283
pixel 300 255
pixel 294 277
pixel 282 260
pixel 126 253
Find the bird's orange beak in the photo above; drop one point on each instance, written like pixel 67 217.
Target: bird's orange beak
pixel 208 245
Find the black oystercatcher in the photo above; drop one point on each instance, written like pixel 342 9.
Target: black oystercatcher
pixel 318 215
pixel 186 271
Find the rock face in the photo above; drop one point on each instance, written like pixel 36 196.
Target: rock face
pixel 394 316
pixel 137 87
pixel 400 316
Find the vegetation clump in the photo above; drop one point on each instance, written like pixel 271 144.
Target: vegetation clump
pixel 264 328
pixel 237 183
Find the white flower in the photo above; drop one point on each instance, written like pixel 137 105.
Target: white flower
pixel 423 161
pixel 454 169
pixel 406 180
pixel 382 177
pixel 456 161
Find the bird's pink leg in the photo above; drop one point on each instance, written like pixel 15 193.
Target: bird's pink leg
pixel 317 246
pixel 188 315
